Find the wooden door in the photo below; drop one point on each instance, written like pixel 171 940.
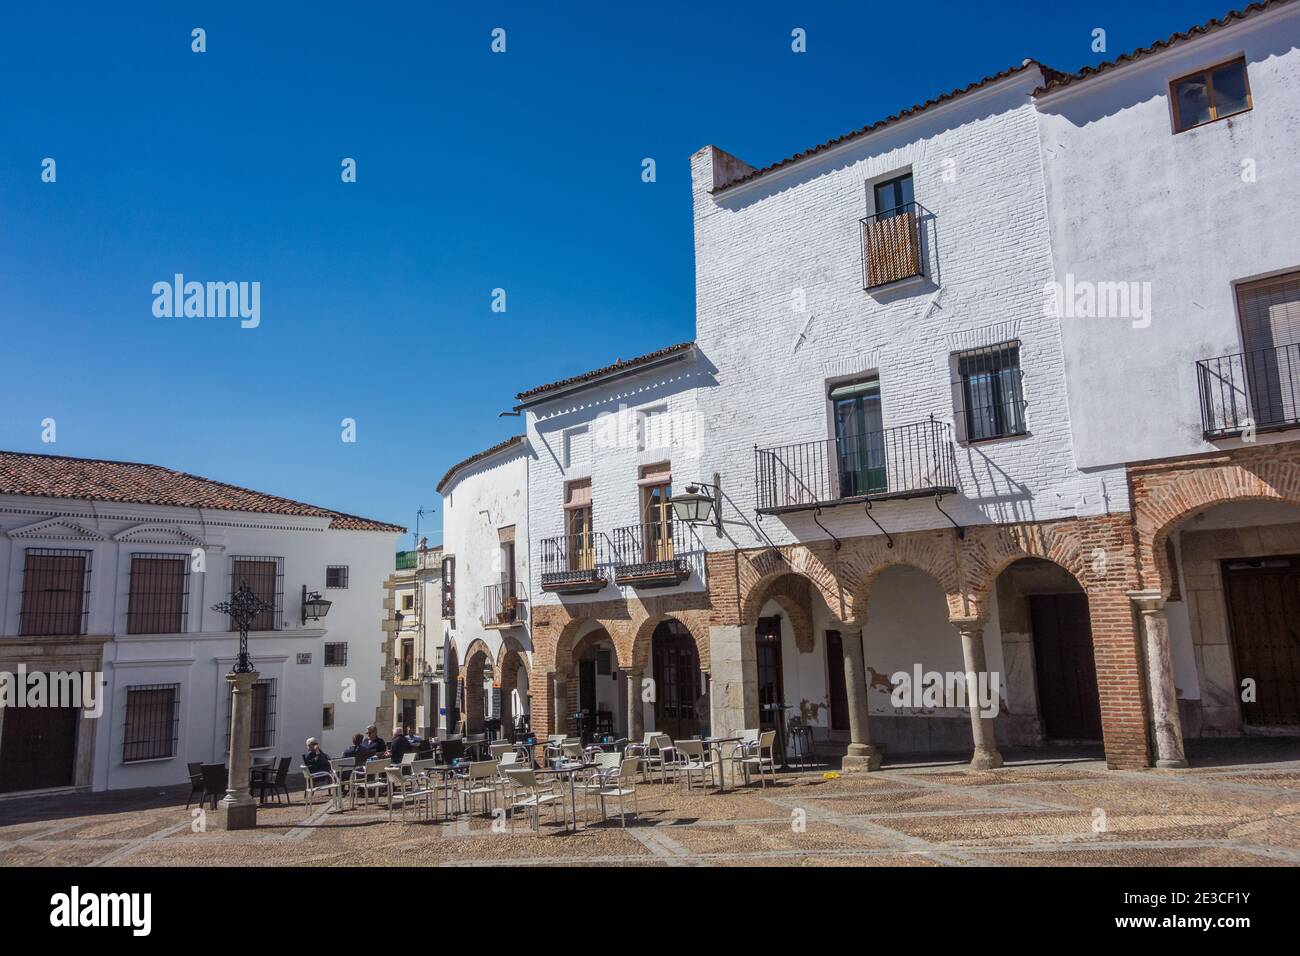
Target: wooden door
pixel 1067 673
pixel 838 690
pixel 38 748
pixel 771 690
pixel 677 681
pixel 1263 598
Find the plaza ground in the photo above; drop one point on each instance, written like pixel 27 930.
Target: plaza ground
pixel 1238 805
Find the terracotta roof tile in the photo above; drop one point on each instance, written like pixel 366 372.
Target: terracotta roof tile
pixel 479 456
pixel 58 476
pixel 618 366
pixel 1062 80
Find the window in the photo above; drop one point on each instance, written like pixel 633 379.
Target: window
pixel 408 602
pixel 327 717
pixel 408 659
pixel 336 654
pixel 656 483
pixel 152 722
pixel 1210 94
pixel 159 594
pixel 989 392
pixel 1269 368
pixel 449 587
pixel 859 438
pixel 579 546
pixel 262 733
pixel 336 576
pixel 577 448
pixel 265 577
pixel 56 591
pixel 894 196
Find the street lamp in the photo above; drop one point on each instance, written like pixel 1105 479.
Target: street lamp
pixel 696 507
pixel 238 809
pixel 313 605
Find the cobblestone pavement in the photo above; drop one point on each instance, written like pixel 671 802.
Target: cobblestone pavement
pixel 1035 811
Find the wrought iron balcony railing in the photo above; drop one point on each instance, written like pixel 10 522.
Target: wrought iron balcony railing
pixel 406 560
pixel 906 461
pixel 659 554
pixel 892 247
pixel 574 563
pixel 504 605
pixel 1257 390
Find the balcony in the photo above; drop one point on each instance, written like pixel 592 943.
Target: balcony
pixel 656 555
pixel 907 461
pixel 504 605
pixel 406 560
pixel 575 563
pixel 892 248
pixel 1257 390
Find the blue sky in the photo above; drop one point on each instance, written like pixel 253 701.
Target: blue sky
pixel 475 171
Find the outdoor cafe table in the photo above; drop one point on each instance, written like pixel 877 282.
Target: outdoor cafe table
pixel 572 770
pixel 715 744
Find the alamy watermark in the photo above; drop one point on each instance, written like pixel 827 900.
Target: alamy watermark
pixel 209 300
pixel 933 689
pixel 53 689
pixel 1084 299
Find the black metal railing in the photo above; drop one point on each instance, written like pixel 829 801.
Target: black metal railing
pixel 668 549
pixel 900 462
pixel 1257 390
pixel 891 245
pixel 576 561
pixel 504 604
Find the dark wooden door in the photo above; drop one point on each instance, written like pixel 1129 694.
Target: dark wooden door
pixel 771 690
pixel 677 681
pixel 839 692
pixel 38 748
pixel 1067 673
pixel 1264 616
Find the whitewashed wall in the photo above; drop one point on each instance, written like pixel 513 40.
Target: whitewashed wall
pixel 1190 213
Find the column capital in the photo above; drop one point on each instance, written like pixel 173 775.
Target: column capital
pixel 1148 602
pixel 968 625
pixel 854 625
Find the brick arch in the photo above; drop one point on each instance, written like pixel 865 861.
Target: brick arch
pixel 574 637
pixel 509 659
pixel 643 635
pixel 759 570
pixel 933 553
pixel 793 594
pixel 476 655
pixel 1171 499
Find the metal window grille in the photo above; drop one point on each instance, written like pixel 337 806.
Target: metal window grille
pixel 159 596
pixel 265 576
pixel 262 733
pixel 336 654
pixel 336 576
pixel 56 591
pixel 327 717
pixel 990 392
pixel 153 719
pixel 449 587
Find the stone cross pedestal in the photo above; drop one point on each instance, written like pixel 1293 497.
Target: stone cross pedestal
pixel 237 809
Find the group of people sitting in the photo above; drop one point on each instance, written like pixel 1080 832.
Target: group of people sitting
pixel 365 747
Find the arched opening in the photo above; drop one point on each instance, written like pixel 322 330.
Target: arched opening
pixel 1232 585
pixel 479 689
pixel 451 691
pixel 1049 674
pixel 679 709
pixel 598 690
pixel 512 671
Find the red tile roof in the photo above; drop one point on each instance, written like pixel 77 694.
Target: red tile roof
pixel 1062 80
pixel 57 476
pixel 894 118
pixel 479 456
pixel 618 366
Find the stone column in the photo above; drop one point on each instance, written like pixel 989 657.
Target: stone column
pixel 1166 724
pixel 733 695
pixel 862 754
pixel 237 809
pixel 635 708
pixel 559 715
pixel 986 755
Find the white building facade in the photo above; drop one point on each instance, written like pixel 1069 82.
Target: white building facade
pixel 484 582
pixel 125 588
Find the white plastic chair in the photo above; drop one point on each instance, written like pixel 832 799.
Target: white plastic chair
pixel 405 789
pixel 533 797
pixel 480 781
pixel 694 758
pixel 621 782
pixel 761 757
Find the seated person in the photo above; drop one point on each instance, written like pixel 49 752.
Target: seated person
pixel 400 746
pixel 358 749
pixel 316 761
pixel 375 742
